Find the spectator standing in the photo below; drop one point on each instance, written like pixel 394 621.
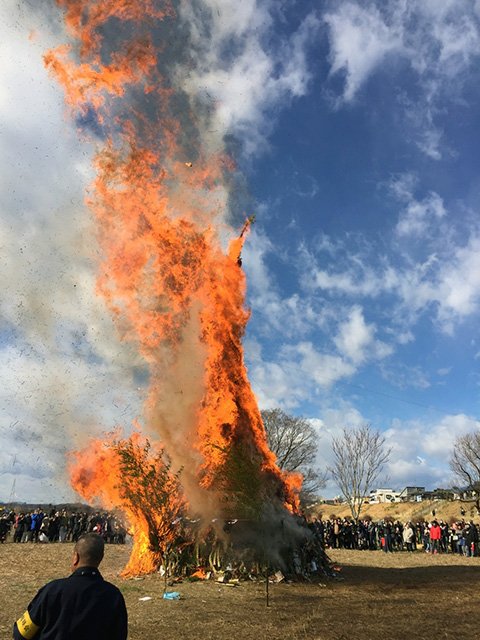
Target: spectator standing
pixel 37 519
pixel 398 536
pixel 44 530
pixel 81 606
pixel 460 538
pixel 4 528
pixel 71 526
pixel 426 537
pixel 19 527
pixel 62 526
pixel 27 528
pixel 435 536
pixel 54 527
pixel 329 527
pixel 444 537
pixel 387 536
pixel 471 539
pixel 408 536
pixel 336 533
pixel 372 536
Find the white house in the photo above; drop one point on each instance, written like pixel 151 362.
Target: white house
pixel 384 495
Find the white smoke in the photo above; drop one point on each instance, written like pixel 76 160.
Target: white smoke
pixel 66 373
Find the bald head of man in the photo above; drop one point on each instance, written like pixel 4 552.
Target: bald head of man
pixel 88 551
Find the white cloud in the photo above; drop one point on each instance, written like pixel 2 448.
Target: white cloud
pixel 441 279
pixel 255 251
pixel 333 419
pixel 402 473
pixel 232 82
pixel 429 139
pixel 364 282
pixel 292 315
pixel 459 41
pixel 418 216
pixel 444 371
pixel 354 336
pixel 403 185
pixel 32 486
pixel 300 372
pixel 403 377
pixel 359 40
pixel 439 41
pixel 304 185
pixel 432 441
pixel 420 448
pixel 323 368
pixel 52 402
pixel 401 336
pixel 459 284
pixel 276 385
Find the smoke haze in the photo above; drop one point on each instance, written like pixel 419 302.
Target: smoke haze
pixel 69 373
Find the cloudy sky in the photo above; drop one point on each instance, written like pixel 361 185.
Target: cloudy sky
pixel 355 126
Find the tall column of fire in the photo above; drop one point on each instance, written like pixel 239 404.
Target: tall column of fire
pixel 169 271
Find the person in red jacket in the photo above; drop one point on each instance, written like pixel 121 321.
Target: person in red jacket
pixel 435 535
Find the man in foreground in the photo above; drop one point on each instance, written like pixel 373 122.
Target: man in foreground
pixel 81 607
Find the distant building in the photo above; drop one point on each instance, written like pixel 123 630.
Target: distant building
pixel 384 495
pixel 439 494
pixel 412 494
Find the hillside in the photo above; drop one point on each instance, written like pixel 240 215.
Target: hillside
pixel 403 511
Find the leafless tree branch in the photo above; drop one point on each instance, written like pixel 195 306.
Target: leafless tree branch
pixel 465 460
pixel 360 456
pixel 295 443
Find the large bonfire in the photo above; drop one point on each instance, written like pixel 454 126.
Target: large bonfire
pixel 171 276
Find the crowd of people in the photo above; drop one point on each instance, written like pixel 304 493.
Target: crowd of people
pixel 59 526
pixel 434 536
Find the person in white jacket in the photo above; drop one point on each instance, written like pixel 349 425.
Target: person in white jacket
pixel 408 535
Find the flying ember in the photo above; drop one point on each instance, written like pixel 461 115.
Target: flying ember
pixel 170 271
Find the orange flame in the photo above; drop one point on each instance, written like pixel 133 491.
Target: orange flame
pixel 93 476
pixel 165 275
pixel 99 475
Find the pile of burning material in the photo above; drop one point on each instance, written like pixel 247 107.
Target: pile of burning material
pixel 281 547
pixel 133 475
pixel 248 551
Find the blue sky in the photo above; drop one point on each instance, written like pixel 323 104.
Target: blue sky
pixel 356 126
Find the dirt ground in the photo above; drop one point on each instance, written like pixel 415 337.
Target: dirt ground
pixel 376 595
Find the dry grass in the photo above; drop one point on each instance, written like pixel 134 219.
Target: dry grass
pixel 416 511
pixel 396 596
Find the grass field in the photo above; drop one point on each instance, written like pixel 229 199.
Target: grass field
pixel 392 596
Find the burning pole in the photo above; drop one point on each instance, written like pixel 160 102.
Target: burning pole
pixel 171 283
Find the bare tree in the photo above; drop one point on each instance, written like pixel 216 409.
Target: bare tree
pixel 465 463
pixel 359 459
pixel 295 443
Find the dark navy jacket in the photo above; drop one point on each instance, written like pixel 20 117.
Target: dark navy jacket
pixel 81 607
